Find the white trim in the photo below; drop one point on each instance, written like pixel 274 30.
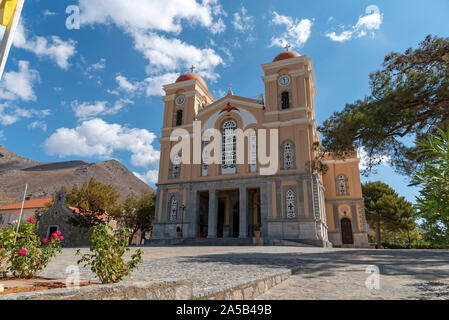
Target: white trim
pixel 169 98
pixel 271 77
pixel 246 116
pixel 178 85
pixel 342 160
pixel 283 63
pixel 298 73
pixel 182 84
pixel 287 111
pixel 219 104
pixel 289 123
pixel 189 125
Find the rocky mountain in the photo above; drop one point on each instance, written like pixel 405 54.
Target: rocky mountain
pixel 44 179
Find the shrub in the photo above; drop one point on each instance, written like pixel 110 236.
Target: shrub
pixel 108 247
pixel 26 254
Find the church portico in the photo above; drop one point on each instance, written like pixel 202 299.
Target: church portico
pixel 231 208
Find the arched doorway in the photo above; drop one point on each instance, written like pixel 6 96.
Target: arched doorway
pixel 346 231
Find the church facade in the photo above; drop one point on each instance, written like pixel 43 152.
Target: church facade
pixel 232 199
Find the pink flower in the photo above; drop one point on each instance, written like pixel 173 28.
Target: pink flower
pixel 54 235
pixel 61 238
pixel 44 240
pixel 31 220
pixel 58 233
pixel 22 252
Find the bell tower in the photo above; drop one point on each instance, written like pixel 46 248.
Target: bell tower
pixel 184 99
pixel 289 82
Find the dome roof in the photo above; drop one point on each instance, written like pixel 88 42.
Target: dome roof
pixel 286 55
pixel 192 76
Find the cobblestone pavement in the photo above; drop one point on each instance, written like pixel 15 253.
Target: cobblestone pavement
pixel 323 274
pixel 342 275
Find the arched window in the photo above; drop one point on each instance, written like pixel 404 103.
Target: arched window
pixel 291 203
pixel 288 155
pixel 175 167
pixel 179 117
pixel 205 160
pixel 229 147
pixel 173 209
pixel 285 100
pixel 342 185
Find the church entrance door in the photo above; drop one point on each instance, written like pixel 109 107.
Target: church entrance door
pixel 346 231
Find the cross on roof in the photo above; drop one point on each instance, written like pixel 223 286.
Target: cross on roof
pixel 192 68
pixel 287 47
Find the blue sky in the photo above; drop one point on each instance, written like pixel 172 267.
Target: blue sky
pixel 94 93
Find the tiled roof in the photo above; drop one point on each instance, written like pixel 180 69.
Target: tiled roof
pixel 29 204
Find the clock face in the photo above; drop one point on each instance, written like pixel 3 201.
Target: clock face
pixel 284 80
pixel 180 100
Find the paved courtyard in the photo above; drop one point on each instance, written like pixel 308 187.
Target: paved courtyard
pixel 323 273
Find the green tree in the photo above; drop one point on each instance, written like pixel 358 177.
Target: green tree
pixel 409 97
pixel 387 211
pixel 94 199
pixel 433 202
pixel 137 214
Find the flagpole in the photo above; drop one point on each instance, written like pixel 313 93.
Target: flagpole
pixel 21 211
pixel 8 37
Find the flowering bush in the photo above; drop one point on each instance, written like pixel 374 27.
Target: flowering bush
pixel 108 247
pixel 26 253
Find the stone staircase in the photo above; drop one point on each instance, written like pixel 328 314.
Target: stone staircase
pixel 227 242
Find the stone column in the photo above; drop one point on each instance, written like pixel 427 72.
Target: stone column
pixel 194 205
pixel 243 224
pixel 212 221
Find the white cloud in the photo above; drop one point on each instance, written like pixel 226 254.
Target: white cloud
pixel 38 125
pixel 365 159
pixel 150 177
pixel 164 15
pixel 47 13
pixel 2 135
pixel 53 47
pixel 218 27
pixel 100 65
pixel 154 84
pixel 168 55
pixel 88 110
pixel 297 31
pixel 12 114
pixel 151 86
pixel 366 24
pixel 96 138
pixel 145 19
pixel 125 85
pixel 19 84
pixel 242 21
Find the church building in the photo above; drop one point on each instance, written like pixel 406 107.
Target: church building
pixel 232 200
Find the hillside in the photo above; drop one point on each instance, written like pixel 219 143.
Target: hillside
pixel 44 179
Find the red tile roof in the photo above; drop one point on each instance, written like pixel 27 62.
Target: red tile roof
pixel 29 204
